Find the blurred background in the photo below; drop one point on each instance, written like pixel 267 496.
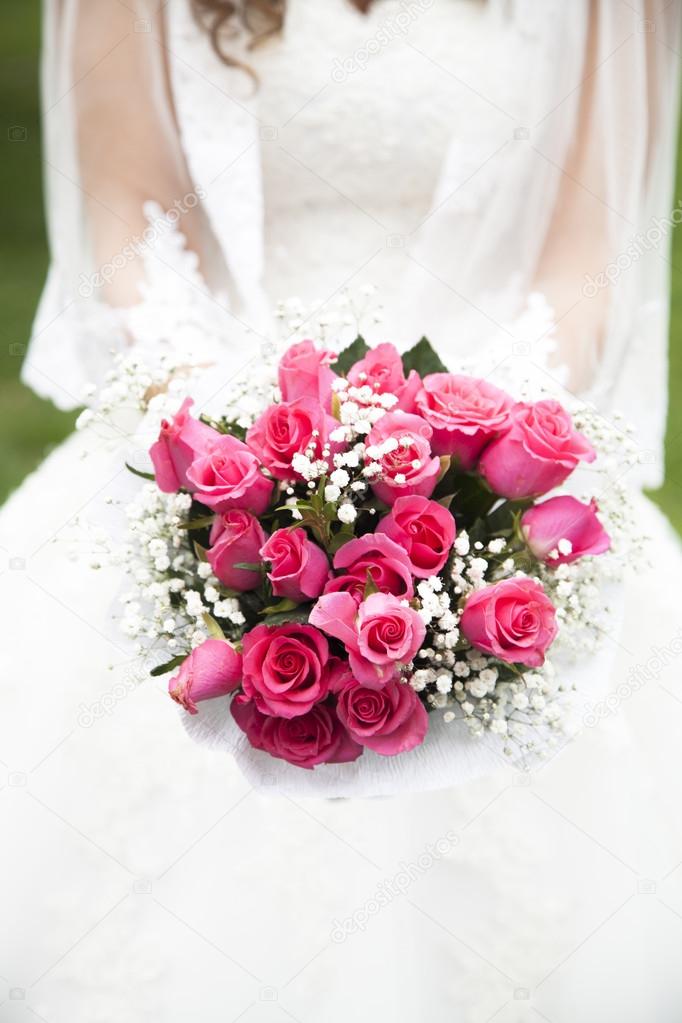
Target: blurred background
pixel 29 427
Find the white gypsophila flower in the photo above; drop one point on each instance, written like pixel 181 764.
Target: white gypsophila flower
pixel 347 513
pixel 340 478
pixel 444 683
pixel 477 688
pixel 332 493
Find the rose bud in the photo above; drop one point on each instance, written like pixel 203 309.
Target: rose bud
pixel 180 441
pixel 290 429
pixel 390 720
pixel 513 620
pixel 465 413
pixel 304 373
pixel 538 452
pixel 316 737
pixel 424 530
pixel 228 475
pixel 285 668
pixel 298 567
pixel 236 539
pixel 212 669
pixel 377 556
pixel 379 635
pixel 403 450
pixel 382 370
pixel 559 519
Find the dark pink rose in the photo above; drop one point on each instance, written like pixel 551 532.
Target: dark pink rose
pixel 424 529
pixel 212 669
pixel 228 475
pixel 316 737
pixel 513 620
pixel 298 567
pixel 379 557
pixel 379 636
pixel 287 429
pixel 285 668
pixel 236 539
pixel 564 518
pixel 382 370
pixel 539 450
pixel 402 445
pixel 304 373
pixel 180 441
pixel 390 720
pixel 465 414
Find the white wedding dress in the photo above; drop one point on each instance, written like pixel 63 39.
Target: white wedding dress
pixel 142 877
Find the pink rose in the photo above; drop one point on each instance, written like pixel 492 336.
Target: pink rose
pixel 379 635
pixel 316 737
pixel 179 443
pixel 564 518
pixel 228 475
pixel 287 429
pixel 424 529
pixel 514 620
pixel 379 557
pixel 304 373
pixel 465 414
pixel 382 370
pixel 540 449
pixel 298 567
pixel 212 669
pixel 236 539
pixel 401 443
pixel 390 720
pixel 285 668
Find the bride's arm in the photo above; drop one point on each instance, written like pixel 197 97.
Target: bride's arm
pixel 127 138
pixel 598 268
pixel 111 147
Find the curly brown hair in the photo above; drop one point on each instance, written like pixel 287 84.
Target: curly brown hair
pixel 261 18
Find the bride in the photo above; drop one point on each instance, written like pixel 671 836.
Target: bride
pixel 502 171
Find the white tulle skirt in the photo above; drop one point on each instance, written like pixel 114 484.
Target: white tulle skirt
pixel 143 878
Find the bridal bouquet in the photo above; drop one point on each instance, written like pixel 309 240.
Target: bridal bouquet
pixel 372 545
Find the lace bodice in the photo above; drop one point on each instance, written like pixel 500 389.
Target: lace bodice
pixel 357 118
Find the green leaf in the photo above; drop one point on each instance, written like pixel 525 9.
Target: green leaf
pixel 280 607
pixel 301 613
pixel 346 533
pixel 200 523
pixel 504 517
pixel 370 586
pixel 249 566
pixel 174 662
pixel 142 475
pixel 358 350
pixel 423 358
pixel 468 494
pixel 199 551
pixel 214 630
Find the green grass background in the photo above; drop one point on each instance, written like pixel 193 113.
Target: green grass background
pixel 29 427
